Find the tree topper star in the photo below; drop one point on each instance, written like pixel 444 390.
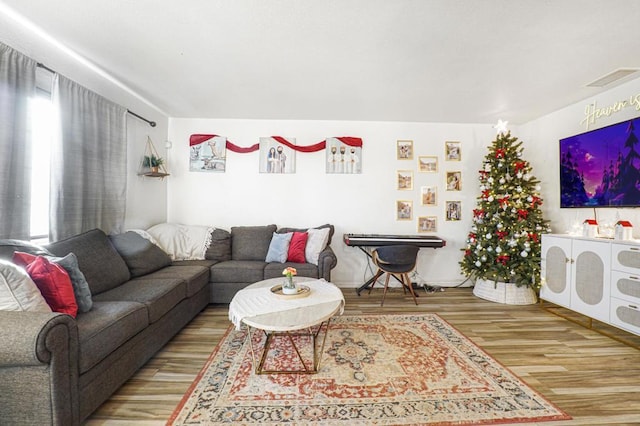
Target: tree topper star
pixel 501 127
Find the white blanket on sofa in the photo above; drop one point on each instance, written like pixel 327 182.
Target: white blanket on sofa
pixel 182 242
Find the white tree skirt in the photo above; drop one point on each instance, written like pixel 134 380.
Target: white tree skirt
pixel 507 293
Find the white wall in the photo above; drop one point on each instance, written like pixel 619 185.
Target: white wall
pixel 146 198
pixel 363 203
pixel 541 140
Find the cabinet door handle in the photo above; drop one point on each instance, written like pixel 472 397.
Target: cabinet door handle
pixel 634 248
pixel 631 277
pixel 633 306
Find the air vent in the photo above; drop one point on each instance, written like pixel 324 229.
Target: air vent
pixel 612 76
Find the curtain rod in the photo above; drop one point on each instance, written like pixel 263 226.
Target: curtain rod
pixel 149 122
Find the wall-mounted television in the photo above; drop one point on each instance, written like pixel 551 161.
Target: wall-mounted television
pixel 601 168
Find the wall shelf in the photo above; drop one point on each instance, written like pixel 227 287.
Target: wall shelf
pixel 149 151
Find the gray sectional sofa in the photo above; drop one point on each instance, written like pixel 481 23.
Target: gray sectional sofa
pixel 55 369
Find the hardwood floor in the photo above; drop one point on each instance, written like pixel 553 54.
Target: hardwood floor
pixel 592 377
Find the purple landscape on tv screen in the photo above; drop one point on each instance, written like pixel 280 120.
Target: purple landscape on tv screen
pixel 601 168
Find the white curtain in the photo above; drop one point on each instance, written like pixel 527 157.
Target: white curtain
pixel 17 87
pixel 88 164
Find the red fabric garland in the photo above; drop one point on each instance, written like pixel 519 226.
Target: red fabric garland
pixel 196 139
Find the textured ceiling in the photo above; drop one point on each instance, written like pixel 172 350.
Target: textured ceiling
pixel 383 60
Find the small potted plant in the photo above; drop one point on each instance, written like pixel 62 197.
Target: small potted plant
pixel 152 162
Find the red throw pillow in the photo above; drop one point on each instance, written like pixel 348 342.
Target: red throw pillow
pixel 52 281
pixel 296 247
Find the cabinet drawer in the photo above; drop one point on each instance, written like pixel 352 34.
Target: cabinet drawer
pixel 625 315
pixel 625 286
pixel 626 258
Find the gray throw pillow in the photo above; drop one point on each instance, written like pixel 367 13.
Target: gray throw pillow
pixel 8 247
pixel 141 255
pixel 78 281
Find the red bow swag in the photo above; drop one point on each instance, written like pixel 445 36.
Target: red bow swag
pixel 500 153
pixel 501 234
pixel 478 213
pixel 522 214
pixel 533 236
pixel 472 237
pixel 483 174
pixel 504 201
pixel 503 258
pixel 535 200
pixel 485 194
pixel 519 166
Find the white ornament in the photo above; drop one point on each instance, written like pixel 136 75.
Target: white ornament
pixel 524 253
pixel 498 250
pixel 519 175
pixel 502 180
pixel 488 236
pixel 487 167
pixel 489 249
pixel 519 189
pixel 499 226
pixel 529 198
pixel 490 199
pixel 478 264
pixel 537 187
pixel 490 180
pixel 484 258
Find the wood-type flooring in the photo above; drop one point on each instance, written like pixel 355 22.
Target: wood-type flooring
pixel 592 377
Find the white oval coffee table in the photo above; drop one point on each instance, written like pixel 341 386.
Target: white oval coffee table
pixel 258 308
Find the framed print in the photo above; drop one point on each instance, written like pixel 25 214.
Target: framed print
pixel 209 156
pixel 427 164
pixel 404 150
pixel 343 158
pixel 454 181
pixel 452 151
pixel 427 223
pixel 404 210
pixel 428 195
pixel 276 157
pixel 453 210
pixel 404 179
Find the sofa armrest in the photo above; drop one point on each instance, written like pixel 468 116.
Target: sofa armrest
pixel 327 260
pixel 38 368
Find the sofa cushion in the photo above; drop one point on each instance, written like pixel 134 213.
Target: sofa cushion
pixel 316 242
pixel 52 280
pixel 158 295
pixel 274 270
pixel 297 247
pixel 106 327
pixel 330 227
pixel 81 290
pixel 8 247
pixel 141 255
pixel 251 242
pixel 195 276
pixel 98 260
pixel 279 247
pixel 18 292
pixel 220 247
pixel 239 271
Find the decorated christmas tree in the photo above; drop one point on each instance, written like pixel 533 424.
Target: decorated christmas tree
pixel 505 239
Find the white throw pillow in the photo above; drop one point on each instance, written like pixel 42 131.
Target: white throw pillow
pixel 316 242
pixel 18 292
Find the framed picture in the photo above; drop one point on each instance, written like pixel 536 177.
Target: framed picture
pixel 404 179
pixel 276 157
pixel 454 181
pixel 342 158
pixel 404 150
pixel 452 151
pixel 209 156
pixel 453 210
pixel 427 223
pixel 427 164
pixel 404 210
pixel 429 195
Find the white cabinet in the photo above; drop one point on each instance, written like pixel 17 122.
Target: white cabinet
pixel 595 277
pixel 625 287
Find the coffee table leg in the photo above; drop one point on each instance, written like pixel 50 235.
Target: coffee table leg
pixel 317 355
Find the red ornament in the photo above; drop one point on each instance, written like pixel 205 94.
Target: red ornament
pixel 535 200
pixel 478 212
pixel 533 236
pixel 501 234
pixel 503 258
pixel 467 252
pixel 504 201
pixel 485 193
pixel 522 214
pixel 500 153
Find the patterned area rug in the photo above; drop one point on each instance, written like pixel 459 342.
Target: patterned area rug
pixel 376 369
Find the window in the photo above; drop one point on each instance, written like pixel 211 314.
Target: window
pixel 42 131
